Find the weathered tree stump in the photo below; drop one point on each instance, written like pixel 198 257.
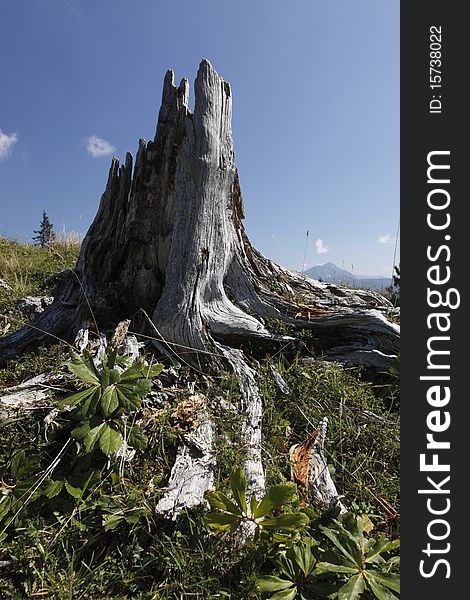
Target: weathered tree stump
pixel 168 241
pixel 168 238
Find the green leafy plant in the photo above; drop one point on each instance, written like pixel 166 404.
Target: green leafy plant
pixel 229 515
pixel 20 484
pixel 361 560
pixel 101 409
pixel 297 577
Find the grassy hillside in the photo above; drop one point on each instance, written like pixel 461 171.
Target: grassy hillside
pixel 29 271
pixel 89 529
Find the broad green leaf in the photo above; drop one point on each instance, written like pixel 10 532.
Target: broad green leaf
pixel 128 399
pixel 133 373
pixel 253 504
pixel 26 486
pixel 221 501
pixel 379 591
pixel 111 521
pixel 288 566
pixel 326 567
pixel 16 463
pixel 136 438
pixel 142 387
pixel 109 357
pixel 368 526
pixel 302 555
pixel 380 546
pixel 22 465
pixel 276 537
pixel 322 590
pixel 271 583
pixel 276 496
pixel 152 371
pixel 286 522
pixel 89 362
pixel 109 400
pixel 92 437
pixel 77 397
pixel 104 377
pixel 284 595
pixel 114 376
pixel 110 440
pixel 352 589
pixel 390 580
pixel 350 553
pixel 238 485
pixel 53 488
pixel 89 406
pixel 83 367
pixel 81 431
pixel 351 527
pixel 222 521
pixel 76 492
pixel 5 505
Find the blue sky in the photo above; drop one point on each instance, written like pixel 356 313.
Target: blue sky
pixel 315 113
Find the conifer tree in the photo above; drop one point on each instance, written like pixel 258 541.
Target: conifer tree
pixel 45 234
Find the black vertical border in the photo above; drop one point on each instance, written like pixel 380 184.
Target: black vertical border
pixel 420 133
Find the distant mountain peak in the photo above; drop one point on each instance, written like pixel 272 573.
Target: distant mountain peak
pixel 331 273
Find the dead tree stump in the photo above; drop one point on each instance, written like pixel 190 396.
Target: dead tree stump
pixel 168 252
pixel 168 238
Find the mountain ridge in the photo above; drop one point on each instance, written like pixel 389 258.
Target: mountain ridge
pixel 331 273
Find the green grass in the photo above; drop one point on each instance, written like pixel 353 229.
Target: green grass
pixel 109 543
pixel 27 270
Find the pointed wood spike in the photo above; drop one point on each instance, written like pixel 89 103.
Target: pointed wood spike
pixel 183 92
pixel 168 84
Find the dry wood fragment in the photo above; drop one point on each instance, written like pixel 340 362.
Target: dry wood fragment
pixel 33 394
pixel 310 472
pixel 193 471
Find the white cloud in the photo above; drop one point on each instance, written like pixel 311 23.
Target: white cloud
pixel 385 239
pixel 321 248
pixel 97 146
pixel 6 144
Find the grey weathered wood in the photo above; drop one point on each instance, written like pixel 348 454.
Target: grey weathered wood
pixel 309 470
pixel 168 238
pixel 281 384
pixel 193 471
pixel 251 430
pixel 251 434
pixel 33 394
pixel 31 305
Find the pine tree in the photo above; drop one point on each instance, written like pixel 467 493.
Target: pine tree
pixel 396 277
pixel 45 234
